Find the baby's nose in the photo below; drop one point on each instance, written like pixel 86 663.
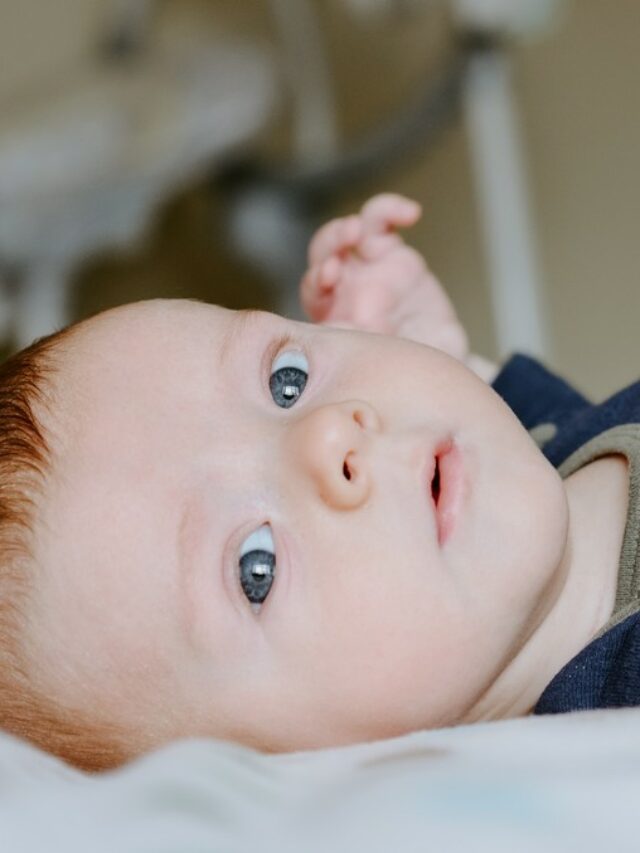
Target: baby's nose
pixel 331 445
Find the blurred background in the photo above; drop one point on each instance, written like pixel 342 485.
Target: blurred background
pixel 188 148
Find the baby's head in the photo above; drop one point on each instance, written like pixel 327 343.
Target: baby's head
pixel 232 524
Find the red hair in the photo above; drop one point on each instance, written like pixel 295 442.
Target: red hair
pixel 27 393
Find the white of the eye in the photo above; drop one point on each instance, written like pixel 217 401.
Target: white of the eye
pixel 260 540
pixel 290 358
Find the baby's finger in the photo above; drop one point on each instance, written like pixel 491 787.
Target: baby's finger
pixel 337 236
pixel 329 272
pixel 387 211
pixel 374 246
pixel 309 294
pixel 317 287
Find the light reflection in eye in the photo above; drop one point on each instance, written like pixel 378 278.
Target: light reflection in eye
pixel 257 565
pixel 289 374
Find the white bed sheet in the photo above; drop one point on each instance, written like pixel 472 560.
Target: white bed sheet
pixel 556 783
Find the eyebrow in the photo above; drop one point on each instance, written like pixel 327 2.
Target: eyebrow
pixel 235 330
pixel 186 567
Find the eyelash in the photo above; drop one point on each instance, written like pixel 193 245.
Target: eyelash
pixel 277 346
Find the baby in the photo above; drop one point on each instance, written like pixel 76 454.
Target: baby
pixel 290 535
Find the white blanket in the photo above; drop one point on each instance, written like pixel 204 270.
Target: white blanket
pixel 556 783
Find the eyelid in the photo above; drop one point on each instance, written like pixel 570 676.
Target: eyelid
pixel 231 570
pixel 231 565
pixel 279 345
pixel 231 558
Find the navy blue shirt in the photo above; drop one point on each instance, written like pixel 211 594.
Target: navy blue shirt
pixel 606 673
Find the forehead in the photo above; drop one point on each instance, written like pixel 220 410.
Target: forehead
pixel 120 416
pixel 142 345
pixel 155 330
pixel 130 390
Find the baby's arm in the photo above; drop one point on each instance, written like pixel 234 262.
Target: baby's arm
pixel 363 276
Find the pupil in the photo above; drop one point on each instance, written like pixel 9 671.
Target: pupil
pixel 257 570
pixel 286 385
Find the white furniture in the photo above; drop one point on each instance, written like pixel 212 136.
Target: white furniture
pixel 85 167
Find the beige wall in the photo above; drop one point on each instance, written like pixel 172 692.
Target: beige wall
pixel 577 92
pixel 581 110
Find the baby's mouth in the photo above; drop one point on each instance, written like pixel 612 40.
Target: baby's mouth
pixel 435 483
pixel 447 488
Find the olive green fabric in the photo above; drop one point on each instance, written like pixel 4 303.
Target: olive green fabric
pixel 623 440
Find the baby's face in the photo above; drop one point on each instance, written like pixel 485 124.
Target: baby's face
pixel 221 561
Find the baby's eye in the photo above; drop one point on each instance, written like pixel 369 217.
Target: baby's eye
pixel 257 565
pixel 289 374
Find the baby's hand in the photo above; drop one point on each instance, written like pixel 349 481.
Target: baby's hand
pixel 363 276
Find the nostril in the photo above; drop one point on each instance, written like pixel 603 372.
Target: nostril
pixel 359 418
pixel 346 471
pixel 366 417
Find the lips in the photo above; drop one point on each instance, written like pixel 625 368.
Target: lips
pixel 446 489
